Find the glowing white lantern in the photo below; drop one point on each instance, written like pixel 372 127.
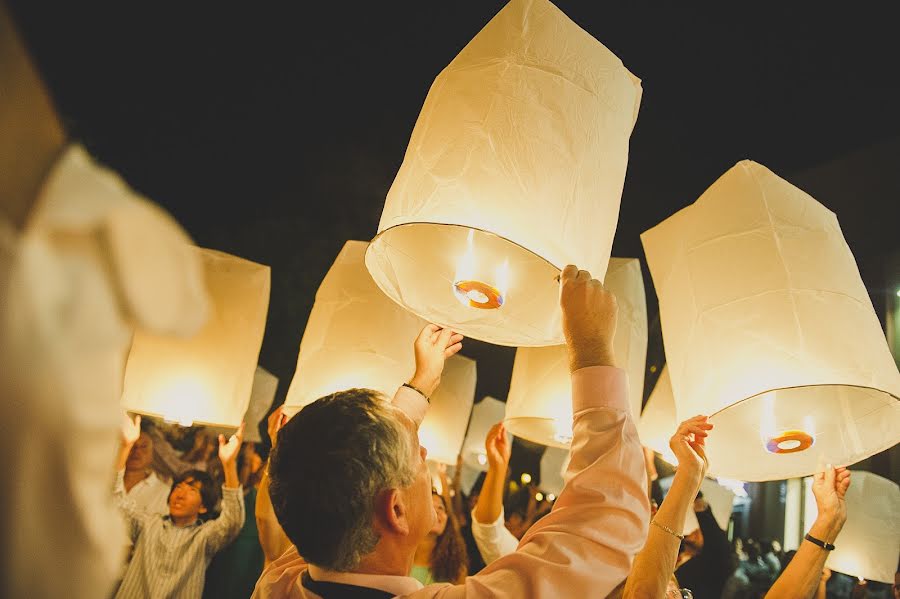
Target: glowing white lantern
pixel 355 336
pixel 719 498
pixel 485 414
pixel 869 544
pixel 262 394
pixel 207 378
pixel 514 169
pixel 539 407
pixel 444 427
pixel 769 329
pixel 658 421
pixel 553 469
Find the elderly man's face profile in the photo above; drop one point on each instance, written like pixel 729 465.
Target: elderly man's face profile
pixel 422 514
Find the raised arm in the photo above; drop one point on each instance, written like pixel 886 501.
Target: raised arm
pixel 800 579
pixel 654 565
pixel 585 546
pixel 271 536
pixel 432 348
pixel 221 531
pixel 135 518
pixel 488 528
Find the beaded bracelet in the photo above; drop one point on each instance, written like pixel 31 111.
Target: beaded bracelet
pixel 667 529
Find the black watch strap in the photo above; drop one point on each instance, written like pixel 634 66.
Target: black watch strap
pixel 819 542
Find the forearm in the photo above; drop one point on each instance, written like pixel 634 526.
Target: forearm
pixel 654 565
pixel 122 456
pixel 271 536
pixel 490 500
pixel 232 481
pixel 801 577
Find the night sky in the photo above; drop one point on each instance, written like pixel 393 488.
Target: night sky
pixel 274 132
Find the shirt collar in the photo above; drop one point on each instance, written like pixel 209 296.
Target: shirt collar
pixel 399 585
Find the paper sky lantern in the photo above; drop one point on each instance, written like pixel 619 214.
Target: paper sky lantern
pixel 719 498
pixel 514 169
pixel 553 468
pixel 658 421
pixel 262 394
pixel 869 544
pixel 355 336
pixel 769 329
pixel 444 428
pixel 205 379
pixel 485 414
pixel 539 407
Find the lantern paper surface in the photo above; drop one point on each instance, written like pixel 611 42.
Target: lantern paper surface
pixel 262 394
pixel 514 169
pixel 869 544
pixel 485 414
pixel 769 329
pixel 719 498
pixel 539 407
pixel 444 428
pixel 205 379
pixel 355 336
pixel 658 421
pixel 553 468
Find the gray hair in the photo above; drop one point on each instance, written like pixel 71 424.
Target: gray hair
pixel 331 463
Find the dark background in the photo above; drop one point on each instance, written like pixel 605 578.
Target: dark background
pixel 274 131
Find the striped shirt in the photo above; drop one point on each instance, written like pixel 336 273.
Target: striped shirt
pixel 170 561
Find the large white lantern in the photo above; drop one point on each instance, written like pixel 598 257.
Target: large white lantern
pixel 355 336
pixel 514 169
pixel 554 463
pixel 658 421
pixel 719 498
pixel 869 544
pixel 205 379
pixel 539 407
pixel 262 395
pixel 769 329
pixel 444 427
pixel 485 414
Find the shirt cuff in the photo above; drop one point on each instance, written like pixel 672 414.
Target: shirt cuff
pixel 500 520
pixel 599 387
pixel 237 491
pixel 412 403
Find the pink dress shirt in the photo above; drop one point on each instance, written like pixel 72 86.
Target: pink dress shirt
pixel 583 548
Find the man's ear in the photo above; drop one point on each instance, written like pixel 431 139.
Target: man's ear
pixel 391 513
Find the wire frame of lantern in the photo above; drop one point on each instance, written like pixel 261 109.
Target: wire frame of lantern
pixel 658 421
pixel 207 378
pixel 262 395
pixel 444 427
pixel 869 544
pixel 514 169
pixel 355 336
pixel 769 329
pixel 539 406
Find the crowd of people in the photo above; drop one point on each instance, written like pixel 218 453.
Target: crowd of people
pixel 344 503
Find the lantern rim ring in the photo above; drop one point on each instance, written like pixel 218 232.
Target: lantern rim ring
pixel 789 388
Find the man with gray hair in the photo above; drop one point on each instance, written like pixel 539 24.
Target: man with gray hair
pixel 352 491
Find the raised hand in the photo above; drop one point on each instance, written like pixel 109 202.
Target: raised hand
pixel 588 319
pixel 432 347
pixel 228 451
pixel 276 420
pixel 131 430
pixel 497 447
pixel 829 488
pixel 688 445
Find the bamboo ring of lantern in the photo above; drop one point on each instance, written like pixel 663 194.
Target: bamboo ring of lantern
pixel 768 328
pixel 514 169
pixel 790 442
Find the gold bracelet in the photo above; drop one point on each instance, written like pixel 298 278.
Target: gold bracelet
pixel 667 529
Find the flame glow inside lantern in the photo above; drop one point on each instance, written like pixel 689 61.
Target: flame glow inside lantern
pixel 658 421
pixel 265 385
pixel 769 329
pixel 485 414
pixel 207 378
pixel 514 169
pixel 869 544
pixel 355 336
pixel 539 407
pixel 719 498
pixel 444 428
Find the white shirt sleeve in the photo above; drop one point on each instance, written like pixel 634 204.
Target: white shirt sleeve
pixel 493 540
